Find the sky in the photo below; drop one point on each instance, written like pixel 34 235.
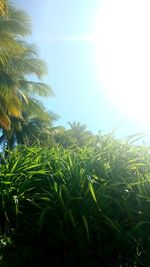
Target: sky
pixel 98 56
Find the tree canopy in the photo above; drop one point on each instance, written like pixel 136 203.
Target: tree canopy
pixel 19 61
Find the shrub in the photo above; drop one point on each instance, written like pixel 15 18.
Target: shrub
pixel 84 206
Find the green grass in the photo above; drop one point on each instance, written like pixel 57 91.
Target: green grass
pixel 85 206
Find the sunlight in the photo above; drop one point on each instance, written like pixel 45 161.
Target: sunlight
pixel 122 40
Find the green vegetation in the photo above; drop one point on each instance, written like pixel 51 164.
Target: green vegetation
pixel 67 197
pixel 19 61
pixel 76 206
pixel 3 7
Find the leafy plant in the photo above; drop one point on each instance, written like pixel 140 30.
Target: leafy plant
pixel 88 206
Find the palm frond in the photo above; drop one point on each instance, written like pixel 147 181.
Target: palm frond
pixel 18 21
pixel 20 66
pixel 10 104
pixel 36 88
pixel 3 8
pixel 6 81
pixel 13 27
pixel 35 108
pixel 4 119
pixel 9 48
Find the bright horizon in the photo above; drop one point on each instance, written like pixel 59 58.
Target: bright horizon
pixel 99 61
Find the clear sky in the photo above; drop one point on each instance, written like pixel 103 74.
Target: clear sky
pixel 98 65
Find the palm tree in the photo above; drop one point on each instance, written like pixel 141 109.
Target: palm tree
pixel 36 126
pixel 12 26
pixel 16 89
pixel 18 61
pixel 79 133
pixel 62 137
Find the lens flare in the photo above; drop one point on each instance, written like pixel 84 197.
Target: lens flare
pixel 122 41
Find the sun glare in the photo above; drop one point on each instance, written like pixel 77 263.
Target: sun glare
pixel 122 40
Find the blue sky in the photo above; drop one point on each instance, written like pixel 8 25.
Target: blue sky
pixel 62 30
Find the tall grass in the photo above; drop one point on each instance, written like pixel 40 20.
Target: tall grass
pixel 85 206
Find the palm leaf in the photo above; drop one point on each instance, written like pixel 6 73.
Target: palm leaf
pixel 3 7
pixel 4 119
pixel 34 108
pixel 36 88
pixel 10 104
pixel 13 27
pixel 18 21
pixel 22 65
pixel 9 48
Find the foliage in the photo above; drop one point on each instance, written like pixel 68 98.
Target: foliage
pixel 31 129
pixel 77 135
pixel 86 206
pixel 3 7
pixel 19 61
pixel 73 199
